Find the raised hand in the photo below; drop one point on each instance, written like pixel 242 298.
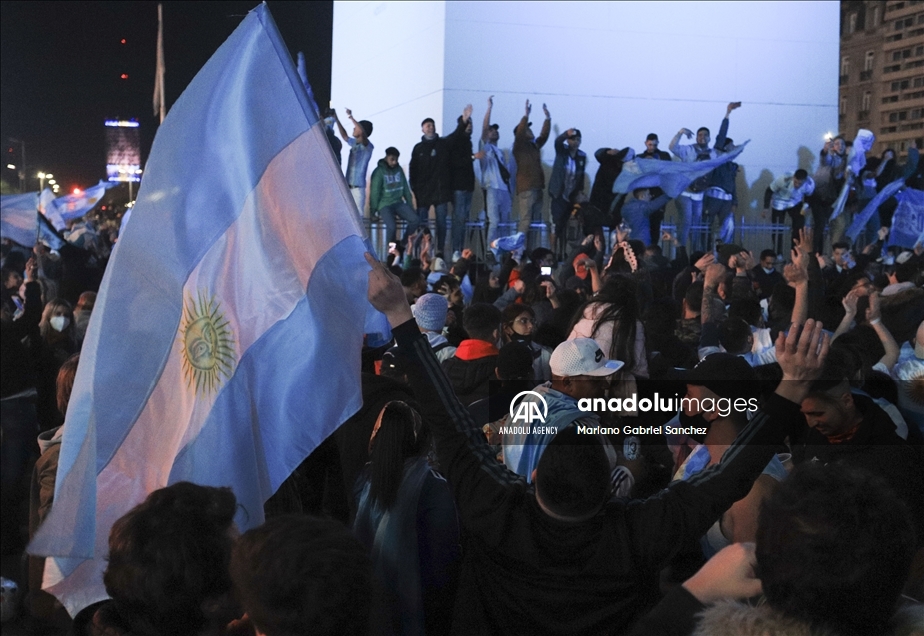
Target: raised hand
pixel 801 354
pixel 705 261
pixel 529 108
pixel 804 242
pixel 386 293
pixel 491 101
pixel 546 111
pixel 794 274
pixel 467 112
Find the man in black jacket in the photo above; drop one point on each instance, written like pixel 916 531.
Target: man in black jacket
pixel 566 183
pixel 430 179
pixel 652 152
pixel 843 427
pixel 462 178
pixel 557 556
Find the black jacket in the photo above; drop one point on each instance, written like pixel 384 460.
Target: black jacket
pixel 429 175
pixel 526 573
pixel 20 345
pixel 461 164
pixel 470 378
pixel 601 194
pixel 875 447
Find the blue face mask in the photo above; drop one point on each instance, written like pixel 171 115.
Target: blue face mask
pixel 768 271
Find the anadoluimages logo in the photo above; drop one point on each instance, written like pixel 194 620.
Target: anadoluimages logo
pixel 527 411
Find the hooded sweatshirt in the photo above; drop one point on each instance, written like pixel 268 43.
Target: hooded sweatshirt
pixel 389 186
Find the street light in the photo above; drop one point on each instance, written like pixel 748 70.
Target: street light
pixel 51 182
pixel 41 177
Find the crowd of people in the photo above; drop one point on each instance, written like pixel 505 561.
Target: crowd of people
pixel 442 173
pixel 782 495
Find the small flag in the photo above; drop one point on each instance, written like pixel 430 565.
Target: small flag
pixel 74 206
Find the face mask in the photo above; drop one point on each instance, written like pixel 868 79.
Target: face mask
pixel 59 323
pixel 768 271
pixel 516 337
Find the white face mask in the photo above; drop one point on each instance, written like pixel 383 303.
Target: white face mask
pixel 768 270
pixel 59 323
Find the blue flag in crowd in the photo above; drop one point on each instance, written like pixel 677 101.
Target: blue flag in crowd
pixel 671 176
pixel 908 221
pixel 73 206
pixel 48 234
pixel 18 217
pixel 226 339
pixel 860 220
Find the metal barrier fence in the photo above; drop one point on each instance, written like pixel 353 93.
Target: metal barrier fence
pixel 754 237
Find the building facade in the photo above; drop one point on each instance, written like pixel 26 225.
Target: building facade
pixel 881 83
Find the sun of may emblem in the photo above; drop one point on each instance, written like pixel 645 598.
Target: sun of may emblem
pixel 208 348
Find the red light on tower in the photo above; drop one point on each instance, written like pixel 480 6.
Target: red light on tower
pixel 123 40
pixel 124 76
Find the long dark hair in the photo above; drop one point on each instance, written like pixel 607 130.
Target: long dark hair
pixel 399 434
pixel 619 306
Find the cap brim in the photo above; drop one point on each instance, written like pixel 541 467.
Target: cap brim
pixel 611 367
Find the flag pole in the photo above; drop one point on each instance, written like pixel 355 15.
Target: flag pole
pixel 159 105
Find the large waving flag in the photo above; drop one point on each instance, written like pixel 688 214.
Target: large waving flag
pixel 671 176
pixel 225 344
pixel 18 217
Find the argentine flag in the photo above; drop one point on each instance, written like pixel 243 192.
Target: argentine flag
pixel 671 176
pixel 225 344
pixel 74 206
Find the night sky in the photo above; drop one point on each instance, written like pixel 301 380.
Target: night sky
pixel 62 64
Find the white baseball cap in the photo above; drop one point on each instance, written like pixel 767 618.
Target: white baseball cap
pixel 582 356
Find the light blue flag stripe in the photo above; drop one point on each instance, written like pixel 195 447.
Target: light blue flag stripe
pixel 17 217
pixel 860 220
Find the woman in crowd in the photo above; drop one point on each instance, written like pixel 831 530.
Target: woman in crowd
pixel 519 325
pixel 57 345
pixel 407 519
pixel 611 318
